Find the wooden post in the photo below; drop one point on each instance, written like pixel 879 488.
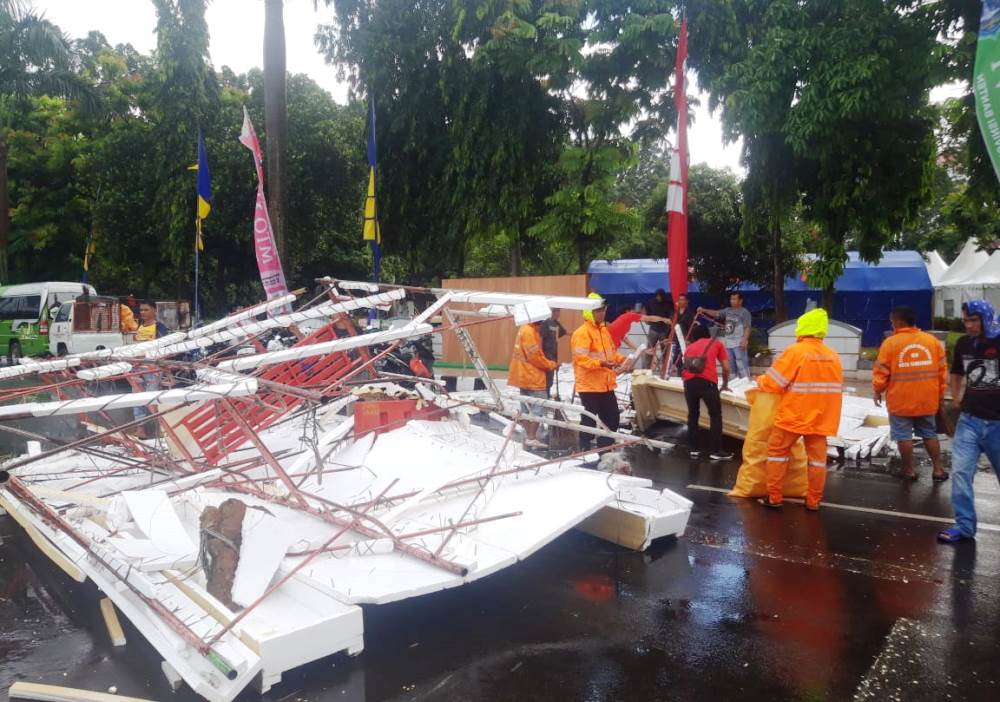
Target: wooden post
pixel 115 631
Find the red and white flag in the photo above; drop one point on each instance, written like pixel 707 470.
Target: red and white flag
pixel 677 192
pixel 271 274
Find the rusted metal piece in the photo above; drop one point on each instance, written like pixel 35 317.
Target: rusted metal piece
pixel 483 482
pixel 221 531
pixel 288 576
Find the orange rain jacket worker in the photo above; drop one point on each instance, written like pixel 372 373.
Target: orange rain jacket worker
pixel 528 363
pixel 810 379
pixel 911 366
pixel 593 353
pixel 591 345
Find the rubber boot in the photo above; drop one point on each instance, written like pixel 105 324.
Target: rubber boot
pixel 817 480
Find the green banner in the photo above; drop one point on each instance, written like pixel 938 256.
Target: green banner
pixel 986 80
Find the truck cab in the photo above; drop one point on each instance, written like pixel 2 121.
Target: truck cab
pixel 86 324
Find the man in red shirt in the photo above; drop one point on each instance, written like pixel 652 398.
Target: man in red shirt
pixel 618 329
pixel 704 386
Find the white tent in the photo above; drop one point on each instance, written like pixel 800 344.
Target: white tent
pixel 984 284
pixel 950 290
pixel 936 267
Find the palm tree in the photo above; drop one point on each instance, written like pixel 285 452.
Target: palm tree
pixel 276 120
pixel 34 60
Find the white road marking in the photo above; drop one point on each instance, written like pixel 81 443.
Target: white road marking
pixel 869 510
pixel 901 668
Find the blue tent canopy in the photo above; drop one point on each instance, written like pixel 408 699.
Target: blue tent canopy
pixel 865 293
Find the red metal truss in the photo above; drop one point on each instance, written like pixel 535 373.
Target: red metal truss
pixel 218 433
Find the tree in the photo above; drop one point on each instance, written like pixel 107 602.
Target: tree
pixel 618 57
pixel 34 61
pixel 955 214
pixel 525 113
pixel 957 25
pixel 276 120
pixel 834 94
pixel 185 95
pixel 52 210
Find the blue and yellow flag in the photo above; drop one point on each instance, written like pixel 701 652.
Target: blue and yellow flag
pixel 372 231
pixel 204 188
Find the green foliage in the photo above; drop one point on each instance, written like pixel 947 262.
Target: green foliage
pixel 831 98
pixel 508 123
pixel 124 173
pixel 34 61
pixel 956 213
pixel 515 136
pixel 50 211
pixel 582 218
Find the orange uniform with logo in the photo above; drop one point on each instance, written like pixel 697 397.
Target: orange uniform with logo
pixel 592 344
pixel 810 378
pixel 911 366
pixel 528 364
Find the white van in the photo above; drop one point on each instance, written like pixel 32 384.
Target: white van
pixel 88 323
pixel 25 313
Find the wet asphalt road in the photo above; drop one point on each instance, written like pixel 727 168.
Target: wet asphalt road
pixel 748 605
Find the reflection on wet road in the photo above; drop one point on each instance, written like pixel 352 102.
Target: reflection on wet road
pixel 749 605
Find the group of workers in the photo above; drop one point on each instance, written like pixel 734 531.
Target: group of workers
pixel 910 376
pixel 596 362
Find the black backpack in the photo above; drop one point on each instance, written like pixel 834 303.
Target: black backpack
pixel 696 364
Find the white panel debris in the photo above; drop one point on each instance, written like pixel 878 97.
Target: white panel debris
pixel 424 499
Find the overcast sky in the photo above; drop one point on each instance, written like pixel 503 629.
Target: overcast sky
pixel 237 38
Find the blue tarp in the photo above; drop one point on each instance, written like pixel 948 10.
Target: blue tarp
pixel 864 294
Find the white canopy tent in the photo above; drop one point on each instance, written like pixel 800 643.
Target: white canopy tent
pixel 936 267
pixel 950 291
pixel 984 284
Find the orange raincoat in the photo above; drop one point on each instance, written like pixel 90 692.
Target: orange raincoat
pixel 592 344
pixel 126 319
pixel 528 364
pixel 810 379
pixel 911 366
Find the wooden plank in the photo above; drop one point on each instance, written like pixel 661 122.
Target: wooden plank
pixel 44 545
pixel 115 631
pixel 52 693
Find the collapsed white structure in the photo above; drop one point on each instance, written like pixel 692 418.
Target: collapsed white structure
pixel 270 462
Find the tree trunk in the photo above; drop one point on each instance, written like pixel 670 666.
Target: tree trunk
pixel 828 294
pixel 4 211
pixel 780 311
pixel 515 255
pixel 276 121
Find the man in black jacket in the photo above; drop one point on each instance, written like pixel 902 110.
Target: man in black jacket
pixel 660 305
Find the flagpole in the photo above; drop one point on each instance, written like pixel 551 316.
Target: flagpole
pixel 197 260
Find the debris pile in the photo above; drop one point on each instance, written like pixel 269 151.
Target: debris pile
pixel 294 475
